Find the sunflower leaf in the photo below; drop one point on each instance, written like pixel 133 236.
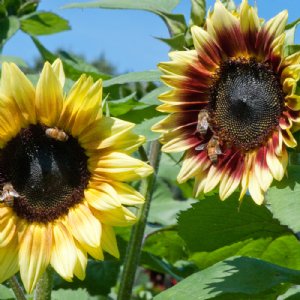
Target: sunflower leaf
pixel 235 278
pixel 6 293
pixel 176 42
pixel 211 224
pixel 8 27
pixel 73 66
pixel 283 199
pixel 153 75
pixel 149 5
pixel 198 12
pixel 43 23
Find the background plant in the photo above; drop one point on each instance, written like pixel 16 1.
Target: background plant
pixel 211 249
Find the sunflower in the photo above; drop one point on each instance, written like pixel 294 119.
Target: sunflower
pixel 233 106
pixel 62 171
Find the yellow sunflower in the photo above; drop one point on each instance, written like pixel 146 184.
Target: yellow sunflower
pixel 233 104
pixel 62 171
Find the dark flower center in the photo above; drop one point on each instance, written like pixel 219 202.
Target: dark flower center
pixel 49 175
pixel 246 102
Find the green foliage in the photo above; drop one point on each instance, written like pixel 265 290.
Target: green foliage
pixel 283 199
pixel 105 273
pixel 43 23
pixel 6 293
pixel 212 224
pixel 198 12
pixel 236 277
pixel 8 27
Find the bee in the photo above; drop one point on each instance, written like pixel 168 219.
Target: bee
pixel 8 194
pixel 56 134
pixel 213 149
pixel 203 122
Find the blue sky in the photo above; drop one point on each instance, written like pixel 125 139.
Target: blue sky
pixel 125 37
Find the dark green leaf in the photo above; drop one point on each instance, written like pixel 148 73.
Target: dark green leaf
pixel 284 199
pixel 176 42
pixel 43 23
pixel 292 294
pixel 149 5
pixel 12 6
pixel 73 65
pixel 198 12
pixel 235 276
pixel 212 224
pixel 28 7
pixel 134 77
pixel 8 27
pixel 151 98
pixel 103 273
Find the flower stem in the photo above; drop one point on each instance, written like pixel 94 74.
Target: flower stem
pixel 135 244
pixel 44 286
pixel 17 288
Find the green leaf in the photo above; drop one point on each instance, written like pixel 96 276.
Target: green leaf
pixel 292 294
pixel 79 294
pixel 12 6
pixel 284 199
pixel 152 97
pixel 166 244
pixel 235 276
pixel 149 5
pixel 284 251
pixel 291 49
pixel 6 293
pixel 103 273
pixel 8 27
pixel 122 106
pixel 28 7
pixel 145 76
pixel 198 12
pixel 14 59
pixel 176 42
pixel 164 208
pixel 43 23
pixel 175 22
pixel 73 66
pixel 212 224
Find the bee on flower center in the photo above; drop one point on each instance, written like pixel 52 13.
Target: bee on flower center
pixel 203 122
pixel 212 147
pixel 56 134
pixel 8 194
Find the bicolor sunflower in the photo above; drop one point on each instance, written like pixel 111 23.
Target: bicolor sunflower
pixel 63 168
pixel 233 104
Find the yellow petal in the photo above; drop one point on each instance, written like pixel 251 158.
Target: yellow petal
pixel 119 166
pixel 9 260
pixel 213 178
pixel 35 250
pixel 15 85
pixel 90 109
pixel 84 226
pixel 7 227
pixel 58 69
pixel 254 189
pixel 64 253
pixel 81 262
pixel 200 182
pixel 109 242
pixel 49 97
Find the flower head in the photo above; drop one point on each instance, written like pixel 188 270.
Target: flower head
pixel 233 106
pixel 62 171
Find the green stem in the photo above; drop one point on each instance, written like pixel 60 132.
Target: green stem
pixel 135 244
pixel 44 286
pixel 17 288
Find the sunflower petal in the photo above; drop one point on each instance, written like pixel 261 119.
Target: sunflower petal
pixel 109 242
pixel 49 97
pixel 35 250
